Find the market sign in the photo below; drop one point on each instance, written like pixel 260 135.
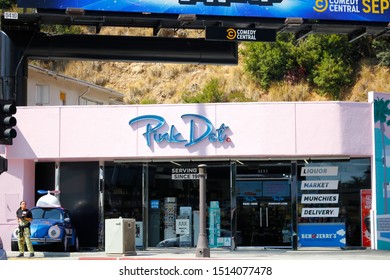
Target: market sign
pixel 320 185
pixel 339 10
pixel 240 34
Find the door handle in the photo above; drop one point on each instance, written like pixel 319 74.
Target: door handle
pixel 261 217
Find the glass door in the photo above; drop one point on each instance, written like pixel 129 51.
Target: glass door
pixel 264 213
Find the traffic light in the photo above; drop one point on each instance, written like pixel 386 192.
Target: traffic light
pixel 7 121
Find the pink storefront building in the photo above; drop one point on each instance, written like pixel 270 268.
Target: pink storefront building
pixel 279 175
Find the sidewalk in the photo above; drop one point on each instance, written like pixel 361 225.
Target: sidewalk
pixel 218 254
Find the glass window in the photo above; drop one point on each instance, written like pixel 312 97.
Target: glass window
pixel 43 95
pixel 334 198
pixel 53 214
pixel 123 191
pixel 174 200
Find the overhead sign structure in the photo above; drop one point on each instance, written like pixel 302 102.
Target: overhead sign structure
pixel 342 10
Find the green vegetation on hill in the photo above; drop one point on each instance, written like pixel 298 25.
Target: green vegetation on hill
pixel 328 63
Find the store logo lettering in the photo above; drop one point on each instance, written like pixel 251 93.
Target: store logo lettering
pixel 154 127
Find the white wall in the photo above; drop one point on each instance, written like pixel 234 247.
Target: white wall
pixel 73 89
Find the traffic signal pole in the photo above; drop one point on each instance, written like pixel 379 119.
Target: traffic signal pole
pixel 13 69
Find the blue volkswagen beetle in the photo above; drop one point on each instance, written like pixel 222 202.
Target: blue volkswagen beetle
pixel 51 226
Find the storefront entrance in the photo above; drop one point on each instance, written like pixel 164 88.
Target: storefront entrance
pixel 264 213
pixel 249 203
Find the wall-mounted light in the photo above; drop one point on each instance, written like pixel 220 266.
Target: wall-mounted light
pixel 75 11
pixel 175 163
pixel 294 21
pixel 186 17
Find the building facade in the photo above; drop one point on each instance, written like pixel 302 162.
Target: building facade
pixel 279 175
pixel 48 88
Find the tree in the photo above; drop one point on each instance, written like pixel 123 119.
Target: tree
pixel 325 61
pixel 269 62
pixel 331 75
pixel 382 49
pixel 211 93
pixel 6 4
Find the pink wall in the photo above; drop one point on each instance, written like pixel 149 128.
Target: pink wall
pixel 15 185
pixel 255 129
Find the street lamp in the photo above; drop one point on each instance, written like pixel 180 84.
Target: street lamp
pixel 202 248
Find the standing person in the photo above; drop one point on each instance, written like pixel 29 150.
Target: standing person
pixel 24 217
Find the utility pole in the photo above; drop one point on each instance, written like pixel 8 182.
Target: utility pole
pixel 202 248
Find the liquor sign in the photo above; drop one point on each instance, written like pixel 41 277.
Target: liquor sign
pixel 319 171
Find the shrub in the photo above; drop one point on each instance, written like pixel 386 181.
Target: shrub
pixel 211 93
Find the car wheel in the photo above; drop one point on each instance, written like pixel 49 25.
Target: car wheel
pixel 63 246
pixel 75 247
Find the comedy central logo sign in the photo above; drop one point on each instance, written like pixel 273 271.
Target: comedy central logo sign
pixel 321 6
pixel 241 34
pixel 341 6
pixel 231 34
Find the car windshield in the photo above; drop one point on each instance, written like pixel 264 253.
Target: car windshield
pixel 46 213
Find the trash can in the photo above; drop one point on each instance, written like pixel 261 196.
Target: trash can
pixel 120 237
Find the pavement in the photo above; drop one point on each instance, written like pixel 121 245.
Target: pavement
pixel 217 254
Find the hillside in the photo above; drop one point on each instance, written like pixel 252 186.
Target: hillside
pixel 166 83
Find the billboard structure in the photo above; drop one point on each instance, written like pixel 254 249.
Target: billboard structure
pixel 339 10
